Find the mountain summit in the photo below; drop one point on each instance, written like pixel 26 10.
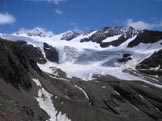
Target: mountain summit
pixel 37 31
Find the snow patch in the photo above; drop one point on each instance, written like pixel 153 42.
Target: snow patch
pixel 81 89
pixel 45 102
pixel 155 69
pixel 135 107
pixel 113 38
pixel 103 87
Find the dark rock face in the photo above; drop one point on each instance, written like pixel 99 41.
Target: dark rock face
pixel 17 92
pixel 125 58
pixel 152 65
pixel 146 36
pixel 11 110
pixel 138 97
pixel 51 53
pixel 32 52
pixel 112 100
pixel 102 34
pixel 115 43
pixel 14 65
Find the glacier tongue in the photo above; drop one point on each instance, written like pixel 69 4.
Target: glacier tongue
pixel 84 63
pixel 68 54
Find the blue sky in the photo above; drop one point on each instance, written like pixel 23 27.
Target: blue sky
pixel 79 15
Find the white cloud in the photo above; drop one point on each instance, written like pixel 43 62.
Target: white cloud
pixel 143 25
pixel 73 24
pixel 76 28
pixel 6 18
pixel 59 12
pixel 160 24
pixel 56 2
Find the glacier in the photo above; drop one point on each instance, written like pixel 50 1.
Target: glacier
pixel 86 59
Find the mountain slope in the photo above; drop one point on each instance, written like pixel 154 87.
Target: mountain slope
pixel 104 75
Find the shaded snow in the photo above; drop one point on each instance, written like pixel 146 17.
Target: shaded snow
pixel 29 40
pixel 155 69
pixel 86 72
pixel 103 87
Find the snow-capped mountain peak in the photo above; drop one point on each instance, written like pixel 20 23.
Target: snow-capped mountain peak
pixel 112 31
pixel 37 31
pixel 69 35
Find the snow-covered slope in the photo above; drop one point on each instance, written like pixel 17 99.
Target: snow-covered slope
pixel 83 59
